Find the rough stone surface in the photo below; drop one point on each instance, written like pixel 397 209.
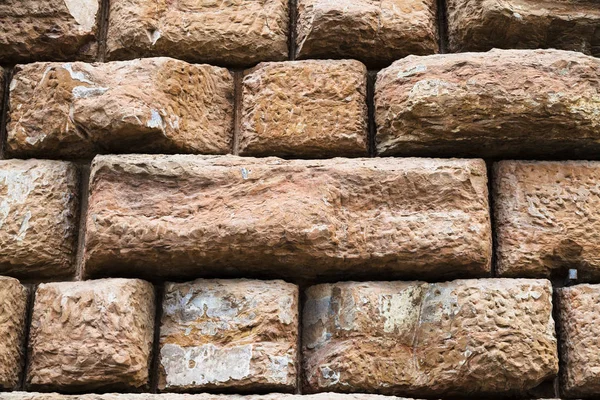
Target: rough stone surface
pixel 149 105
pixel 38 218
pixel 310 109
pixel 236 32
pixel 203 396
pixel 237 334
pixel 189 215
pixel 480 25
pixel 579 308
pixel 503 103
pixel 33 30
pixel 13 306
pixel 372 31
pixel 466 337
pixel 91 335
pixel 547 218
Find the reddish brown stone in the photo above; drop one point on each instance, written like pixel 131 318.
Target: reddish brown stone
pixel 203 396
pixel 13 306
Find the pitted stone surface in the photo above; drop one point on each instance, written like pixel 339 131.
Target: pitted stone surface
pixel 503 103
pixel 237 334
pixel 547 218
pixel 33 30
pixel 466 337
pixel 150 105
pixel 480 25
pixel 312 109
pixel 372 31
pixel 91 335
pixel 302 219
pixel 579 309
pixel 236 33
pixel 13 306
pixel 38 218
pixel 202 396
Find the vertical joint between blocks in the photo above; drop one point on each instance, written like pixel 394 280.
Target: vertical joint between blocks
pixel 238 75
pixel 84 183
pixel 155 359
pixel 442 25
pixel 103 29
pixel 372 129
pixel 8 73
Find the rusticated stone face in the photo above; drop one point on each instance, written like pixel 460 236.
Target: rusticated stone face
pixel 203 396
pixel 38 218
pixel 91 335
pixel 34 30
pixel 190 215
pixel 310 109
pixel 149 105
pixel 480 25
pixel 372 31
pixel 546 218
pixel 236 32
pixel 503 103
pixel 466 337
pixel 205 341
pixel 13 307
pixel 579 307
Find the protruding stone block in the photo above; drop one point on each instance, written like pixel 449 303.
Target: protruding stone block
pixel 240 335
pixel 466 337
pixel 183 216
pixel 38 218
pixel 312 109
pixel 13 306
pixel 91 336
pixel 202 396
pixel 76 110
pixel 374 32
pixel 231 33
pixel 503 103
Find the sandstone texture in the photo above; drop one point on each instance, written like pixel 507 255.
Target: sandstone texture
pixel 33 30
pixel 234 33
pixel 579 308
pixel 236 334
pixel 189 215
pixel 312 109
pixel 547 218
pixel 13 306
pixel 480 25
pixel 152 105
pixel 503 103
pixel 38 218
pixel 91 336
pixel 372 31
pixel 466 337
pixel 203 396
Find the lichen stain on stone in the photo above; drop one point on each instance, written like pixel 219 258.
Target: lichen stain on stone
pixel 400 310
pixel 84 12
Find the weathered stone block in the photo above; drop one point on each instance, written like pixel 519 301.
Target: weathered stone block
pixel 202 396
pixel 374 32
pixel 466 337
pixel 229 334
pixel 503 103
pixel 13 306
pixel 313 109
pixel 546 218
pixel 480 25
pixel 33 30
pixel 235 32
pixel 38 218
pixel 91 335
pixel 149 105
pixel 200 215
pixel 579 308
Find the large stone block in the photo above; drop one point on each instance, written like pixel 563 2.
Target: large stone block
pixel 236 33
pixel 202 396
pixel 374 32
pixel 13 306
pixel 38 218
pixel 149 105
pixel 312 109
pixel 547 218
pixel 466 337
pixel 33 30
pixel 229 334
pixel 91 335
pixel 579 308
pixel 480 25
pixel 503 103
pixel 200 215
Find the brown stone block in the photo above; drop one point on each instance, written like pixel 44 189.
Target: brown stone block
pixel 203 396
pixel 13 306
